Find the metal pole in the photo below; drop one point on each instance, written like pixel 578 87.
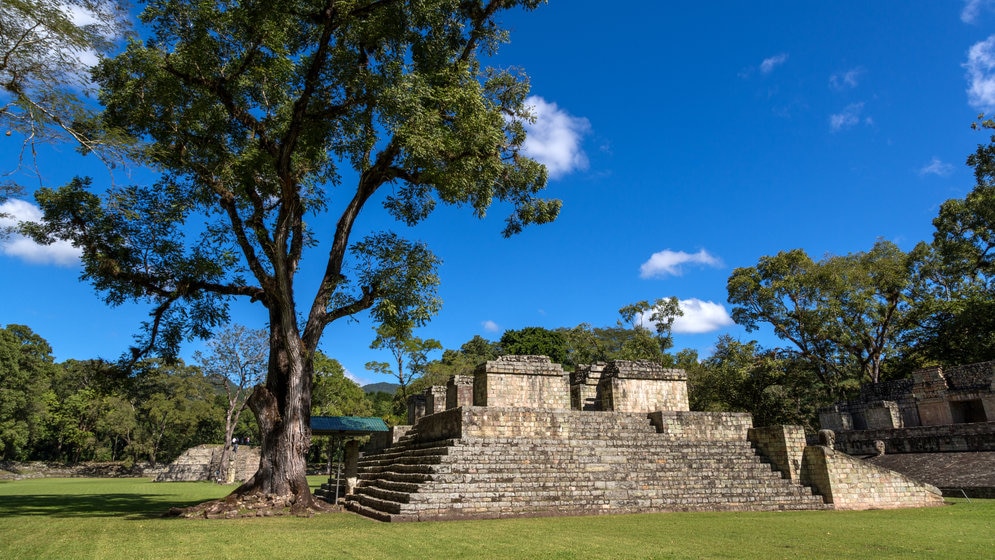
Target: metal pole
pixel 338 477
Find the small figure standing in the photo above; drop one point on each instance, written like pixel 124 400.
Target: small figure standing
pixel 234 444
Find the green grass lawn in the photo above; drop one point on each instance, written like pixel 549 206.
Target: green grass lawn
pixel 121 518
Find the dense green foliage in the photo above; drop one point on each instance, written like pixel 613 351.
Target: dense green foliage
pixel 92 410
pixel 121 518
pixel 843 314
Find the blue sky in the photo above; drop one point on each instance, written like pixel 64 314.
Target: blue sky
pixel 685 140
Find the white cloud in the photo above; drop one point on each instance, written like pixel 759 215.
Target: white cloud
pixel 972 9
pixel 668 263
pixel 848 118
pixel 936 167
pixel 60 253
pixel 554 139
pixel 351 377
pixel 769 64
pixel 490 326
pixel 980 67
pixel 846 80
pixel 701 317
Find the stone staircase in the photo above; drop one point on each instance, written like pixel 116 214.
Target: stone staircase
pixel 203 462
pixel 518 462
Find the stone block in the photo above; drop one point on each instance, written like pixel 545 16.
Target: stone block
pixel 852 484
pixel 782 445
pixel 435 399
pixel 521 381
pixel 416 408
pixel 459 391
pixel 836 418
pixel 934 412
pixel 584 387
pixel 642 386
pixel 882 415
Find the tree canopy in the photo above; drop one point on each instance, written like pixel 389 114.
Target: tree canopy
pixel 844 313
pixel 276 124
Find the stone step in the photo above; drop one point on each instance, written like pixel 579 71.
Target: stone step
pixel 375 491
pixel 400 478
pixel 386 506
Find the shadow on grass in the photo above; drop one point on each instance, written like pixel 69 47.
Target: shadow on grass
pixel 128 506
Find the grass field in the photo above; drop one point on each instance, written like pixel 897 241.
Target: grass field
pixel 121 518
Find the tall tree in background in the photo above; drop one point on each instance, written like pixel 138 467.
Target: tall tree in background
pixel 534 341
pixel 958 283
pixel 236 360
pixel 409 353
pixel 175 406
pixel 773 386
pixel 335 394
pixel 26 370
pixel 640 316
pixel 268 120
pixel 843 314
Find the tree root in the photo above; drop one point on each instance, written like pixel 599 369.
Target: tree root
pixel 252 504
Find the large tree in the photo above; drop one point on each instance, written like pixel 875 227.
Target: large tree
pixel 957 282
pixel 844 314
pixel 409 355
pixel 269 120
pixel 26 371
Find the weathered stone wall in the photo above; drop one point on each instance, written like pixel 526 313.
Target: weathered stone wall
pixel 521 422
pixel 934 396
pixel 783 446
pixel 442 425
pixel 702 426
pixel 921 439
pixel 971 377
pixel 203 462
pixel 851 484
pixel 530 381
pixel 882 414
pixel 930 387
pixel 416 408
pixel 382 440
pixel 642 386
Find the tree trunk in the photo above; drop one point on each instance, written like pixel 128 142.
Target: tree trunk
pixel 283 411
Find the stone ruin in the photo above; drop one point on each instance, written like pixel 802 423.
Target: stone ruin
pixel 937 410
pixel 521 437
pixel 203 463
pixel 939 424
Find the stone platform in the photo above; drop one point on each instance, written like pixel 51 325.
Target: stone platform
pixel 477 462
pixel 530 440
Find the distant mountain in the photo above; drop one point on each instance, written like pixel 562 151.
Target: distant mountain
pixel 384 387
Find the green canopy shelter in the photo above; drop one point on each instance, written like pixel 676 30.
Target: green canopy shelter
pixel 340 429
